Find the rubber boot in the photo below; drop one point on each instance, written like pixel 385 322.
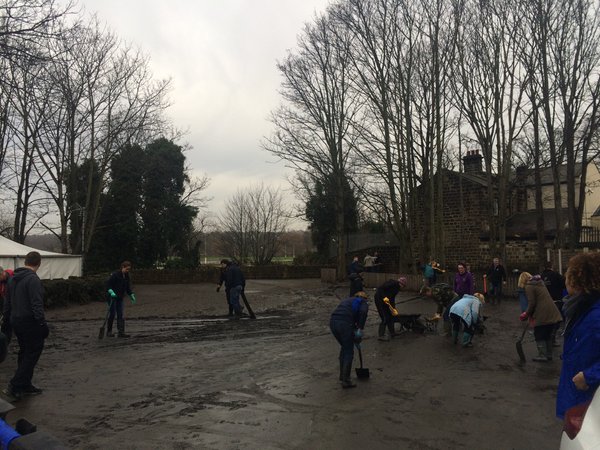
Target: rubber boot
pixel 447 328
pixel 541 357
pixel 109 332
pixel 466 339
pixel 454 336
pixel 341 370
pixel 121 328
pixel 549 349
pixel 381 332
pixel 347 381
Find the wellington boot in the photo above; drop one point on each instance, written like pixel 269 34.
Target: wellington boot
pixel 455 337
pixel 466 339
pixel 541 357
pixel 447 328
pixel 121 328
pixel 341 370
pixel 347 380
pixel 549 349
pixel 381 329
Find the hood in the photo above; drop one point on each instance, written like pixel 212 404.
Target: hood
pixel 22 272
pixel 536 281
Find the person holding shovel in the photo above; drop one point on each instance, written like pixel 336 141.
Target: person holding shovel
pixel 235 282
pixel 118 286
pixel 541 308
pixel 219 284
pixel 347 324
pixel 444 297
pixel 387 291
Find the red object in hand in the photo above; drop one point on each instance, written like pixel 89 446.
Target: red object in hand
pixel 523 316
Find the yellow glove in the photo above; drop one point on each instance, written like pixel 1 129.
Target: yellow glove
pixel 393 310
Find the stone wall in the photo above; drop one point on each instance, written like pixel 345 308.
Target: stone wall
pixel 210 274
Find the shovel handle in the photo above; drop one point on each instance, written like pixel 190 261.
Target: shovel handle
pixel 359 355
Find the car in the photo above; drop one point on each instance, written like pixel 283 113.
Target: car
pixel 581 430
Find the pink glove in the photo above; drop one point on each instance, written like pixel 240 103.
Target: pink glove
pixel 523 316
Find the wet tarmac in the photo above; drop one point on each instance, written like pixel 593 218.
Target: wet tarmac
pixel 190 378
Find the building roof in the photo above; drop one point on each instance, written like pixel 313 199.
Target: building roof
pixel 546 174
pixel 523 225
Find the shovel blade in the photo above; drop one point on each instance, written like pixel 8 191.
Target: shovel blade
pixel 519 346
pixel 362 373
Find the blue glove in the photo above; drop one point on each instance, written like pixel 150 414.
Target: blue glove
pixel 112 293
pixel 132 296
pixel 358 334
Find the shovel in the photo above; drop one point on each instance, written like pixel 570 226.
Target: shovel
pixel 250 312
pixel 519 345
pixel 101 333
pixel 361 372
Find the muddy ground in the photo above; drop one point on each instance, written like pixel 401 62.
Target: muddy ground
pixel 190 378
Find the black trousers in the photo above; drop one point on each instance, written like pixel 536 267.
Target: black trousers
pixel 387 320
pixel 30 336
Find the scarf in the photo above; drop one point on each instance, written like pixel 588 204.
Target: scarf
pixel 577 307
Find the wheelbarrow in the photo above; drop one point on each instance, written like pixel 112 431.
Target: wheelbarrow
pixel 411 322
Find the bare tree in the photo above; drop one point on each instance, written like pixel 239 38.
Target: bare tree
pixel 489 90
pixel 313 124
pixel 252 224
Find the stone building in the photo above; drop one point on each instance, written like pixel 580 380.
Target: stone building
pixel 466 214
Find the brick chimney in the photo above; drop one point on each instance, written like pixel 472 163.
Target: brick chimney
pixel 472 162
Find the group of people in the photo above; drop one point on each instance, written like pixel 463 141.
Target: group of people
pixel 545 300
pixel 23 315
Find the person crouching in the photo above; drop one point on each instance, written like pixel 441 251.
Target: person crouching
pixel 466 312
pixel 347 324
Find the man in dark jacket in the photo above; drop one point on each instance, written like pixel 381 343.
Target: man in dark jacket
pixel 496 277
pixel 24 307
pixel 388 290
pixel 554 281
pixel 347 324
pixel 356 283
pixel 118 286
pixel 235 284
pixel 219 284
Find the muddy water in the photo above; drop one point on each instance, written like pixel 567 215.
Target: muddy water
pixel 190 378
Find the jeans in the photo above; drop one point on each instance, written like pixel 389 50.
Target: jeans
pixel 30 336
pixel 344 333
pixel 496 290
pixel 456 323
pixel 116 307
pixel 523 303
pixel 234 298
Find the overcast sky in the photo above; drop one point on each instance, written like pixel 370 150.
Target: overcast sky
pixel 221 56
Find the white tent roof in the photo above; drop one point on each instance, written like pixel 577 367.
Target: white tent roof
pixel 54 265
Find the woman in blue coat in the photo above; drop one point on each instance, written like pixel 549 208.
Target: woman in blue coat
pixel 347 324
pixel 580 374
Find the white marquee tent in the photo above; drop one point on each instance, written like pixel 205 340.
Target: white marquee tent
pixel 54 265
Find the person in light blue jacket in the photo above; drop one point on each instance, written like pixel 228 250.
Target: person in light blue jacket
pixel 466 312
pixel 580 373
